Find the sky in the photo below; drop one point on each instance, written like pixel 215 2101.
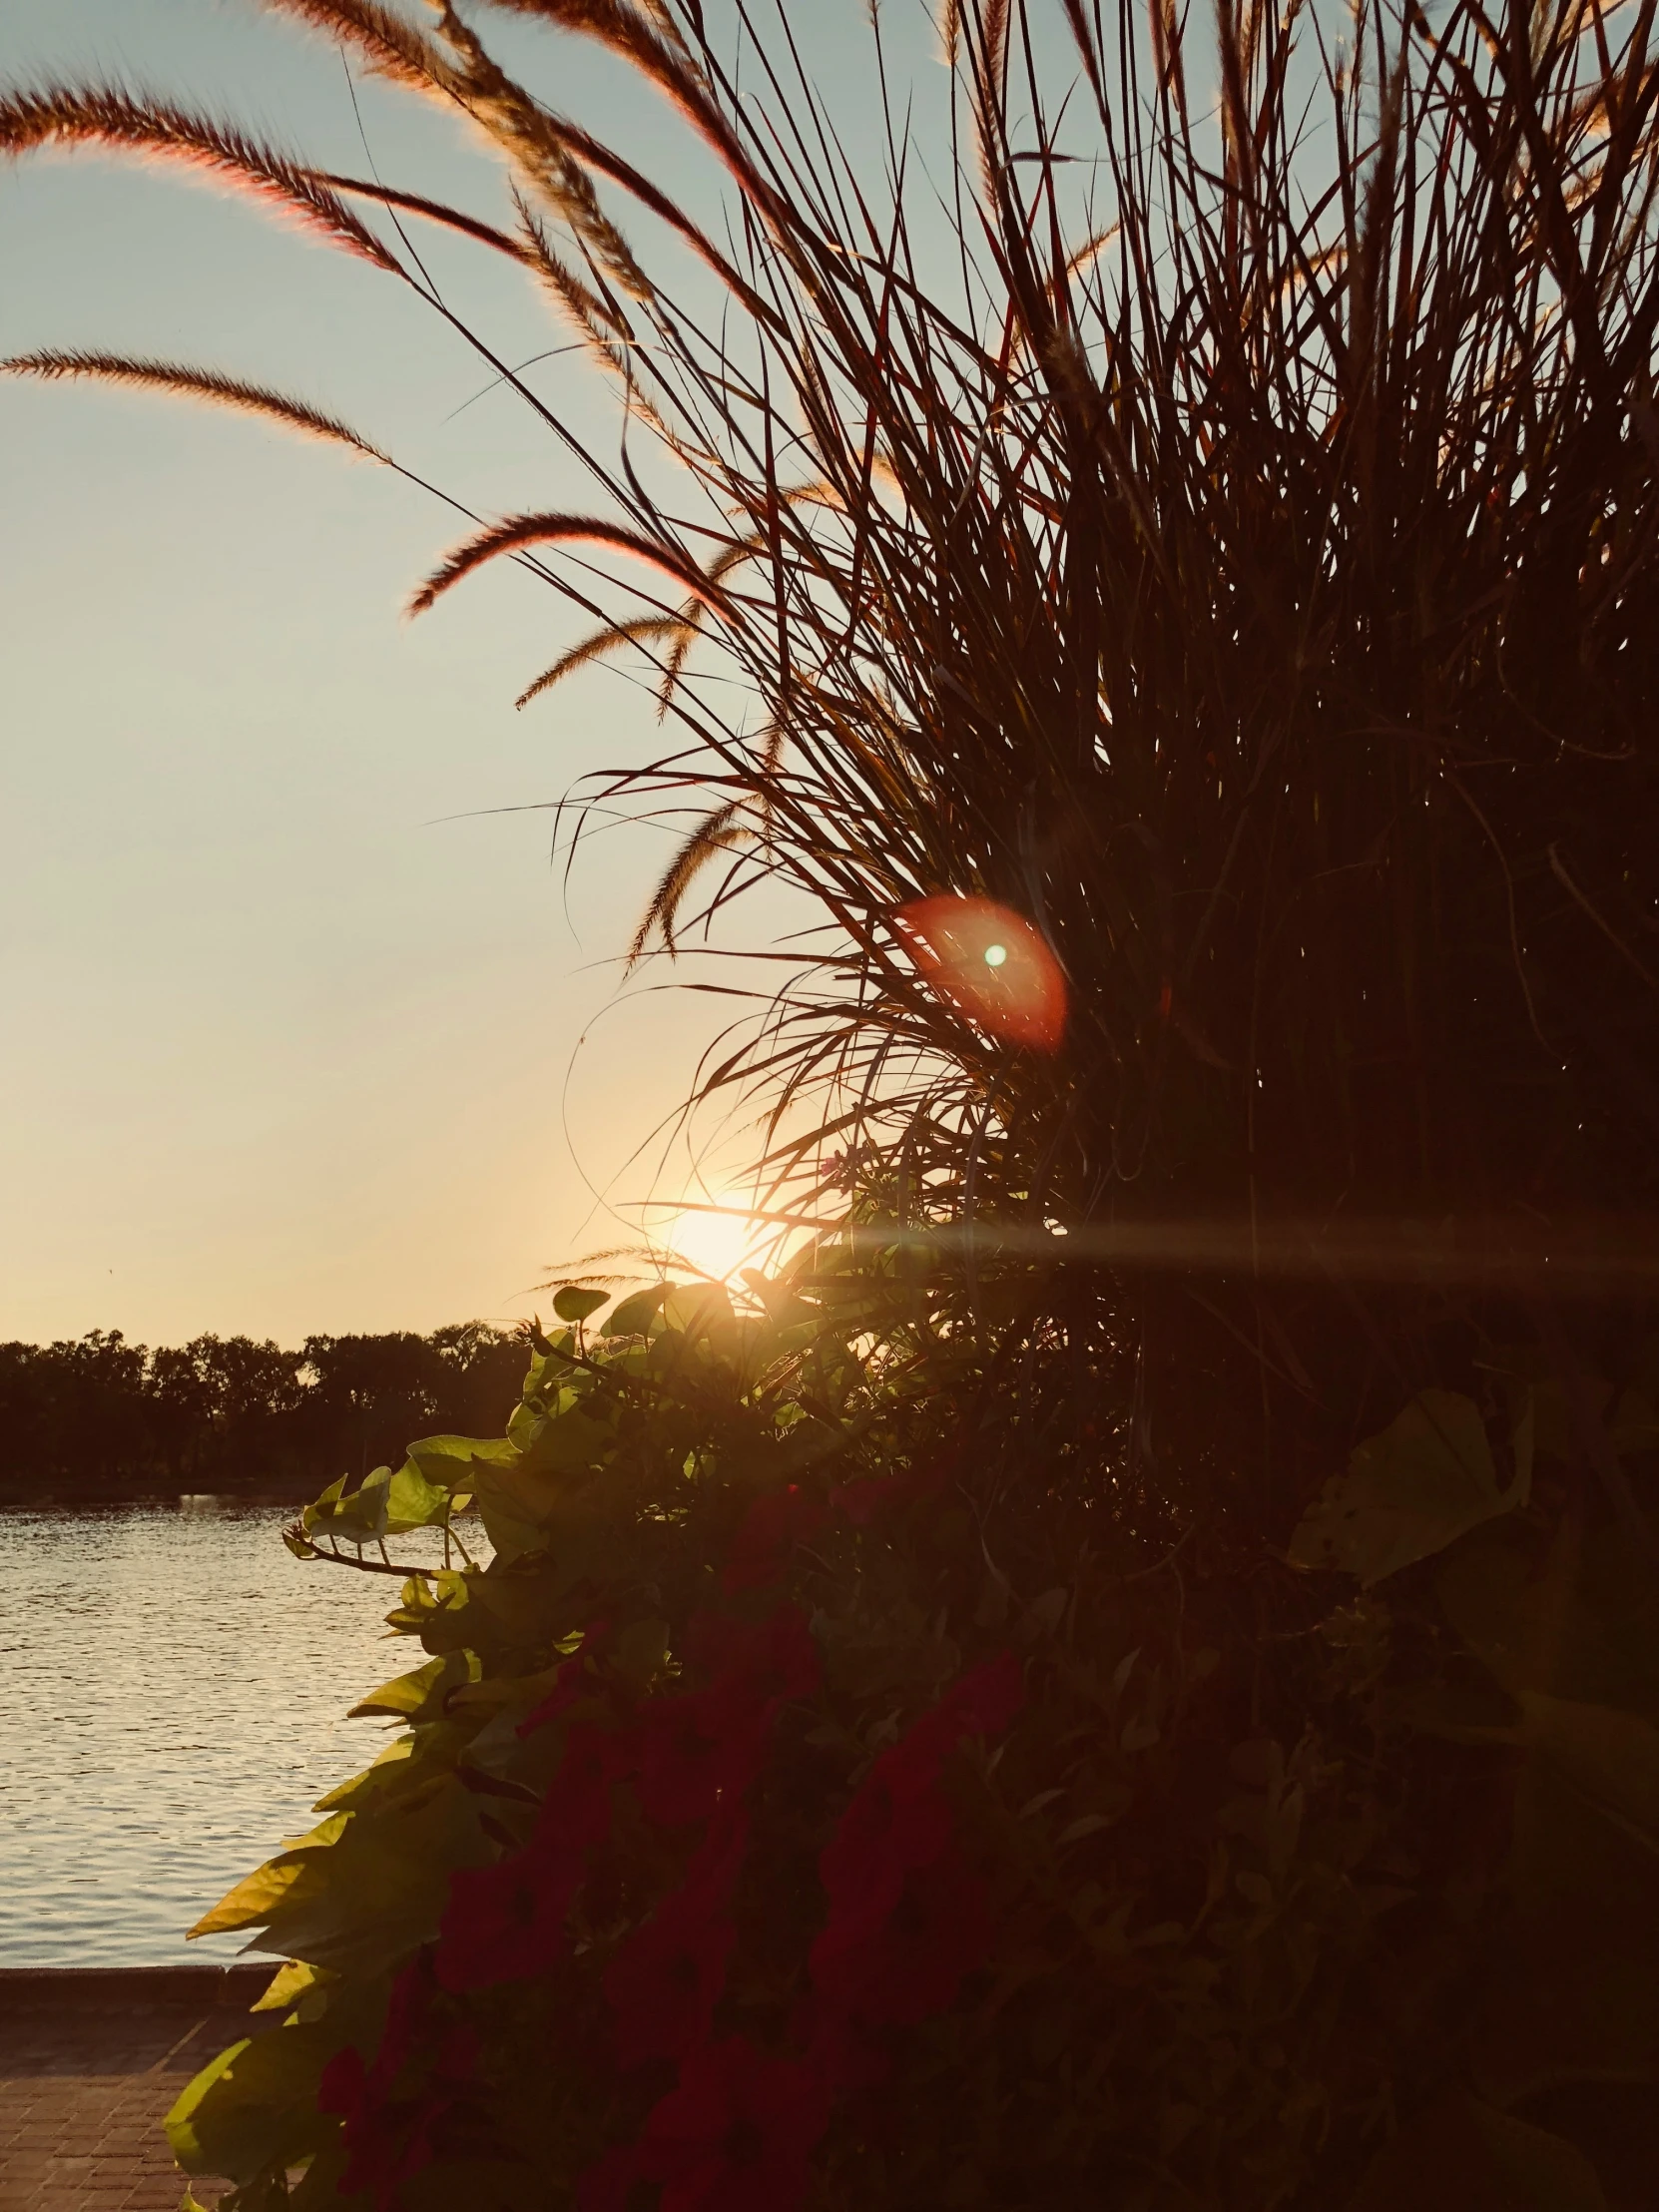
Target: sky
pixel 300 1028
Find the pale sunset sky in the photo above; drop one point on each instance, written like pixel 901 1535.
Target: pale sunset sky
pixel 285 1044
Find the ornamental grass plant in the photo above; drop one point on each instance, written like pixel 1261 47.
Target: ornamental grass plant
pixel 1125 1672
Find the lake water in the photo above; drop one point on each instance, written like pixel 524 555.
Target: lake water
pixel 176 1685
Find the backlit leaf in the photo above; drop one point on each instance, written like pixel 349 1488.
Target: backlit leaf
pixel 256 2104
pixel 634 1316
pixel 407 1696
pixel 1427 1479
pixel 1462 2154
pixel 257 1895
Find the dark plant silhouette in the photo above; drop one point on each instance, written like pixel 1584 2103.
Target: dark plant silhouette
pixel 1227 554
pixel 1235 557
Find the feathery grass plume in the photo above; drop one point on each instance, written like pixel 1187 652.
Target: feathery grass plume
pixel 600 326
pixel 525 131
pixel 587 152
pixel 690 624
pixel 632 32
pixel 599 642
pixel 718 832
pixel 519 531
pixel 674 67
pixel 392 48
pixel 193 383
pixel 385 41
pixel 116 121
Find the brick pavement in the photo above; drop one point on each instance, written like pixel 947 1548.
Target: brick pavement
pixel 90 2064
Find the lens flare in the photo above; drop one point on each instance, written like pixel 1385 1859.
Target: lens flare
pixel 992 964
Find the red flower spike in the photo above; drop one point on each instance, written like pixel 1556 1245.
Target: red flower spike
pixel 570 1686
pixel 577 1809
pixel 737 2133
pixel 770 1529
pixel 507 1923
pixel 879 1840
pixel 912 1965
pixel 343 2086
pixel 899 1824
pixel 387 2139
pixel 700 1752
pixel 609 2182
pixel 992 964
pixel 665 1980
pixel 899 1821
pixel 775 1658
pixel 406 2010
pixel 850 2062
pixel 981 1703
pixel 785 1660
pixel 862 1502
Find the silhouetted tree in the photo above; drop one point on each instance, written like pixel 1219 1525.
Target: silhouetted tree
pixel 227 1412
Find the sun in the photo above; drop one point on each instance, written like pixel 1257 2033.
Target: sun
pixel 719 1235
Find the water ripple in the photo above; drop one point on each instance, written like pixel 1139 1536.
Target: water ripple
pixel 176 1691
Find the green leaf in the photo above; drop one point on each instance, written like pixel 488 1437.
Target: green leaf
pixel 640 1650
pixel 360 1517
pixel 1424 1481
pixel 696 1309
pixel 424 1599
pixel 632 1318
pixel 1610 1759
pixel 516 1503
pixel 1090 1825
pixel 1462 2156
pixel 413 1502
pixel 1574 1997
pixel 1635 1423
pixel 419 1695
pixel 257 1895
pixel 323 1509
pixel 365 1907
pixel 573 1304
pixel 386 1772
pixel 1583 1626
pixel 255 2106
pixel 573 1443
pixel 291 1982
pixel 1043 1615
pixel 449 1461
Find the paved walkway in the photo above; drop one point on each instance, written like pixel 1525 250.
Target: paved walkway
pixel 90 2062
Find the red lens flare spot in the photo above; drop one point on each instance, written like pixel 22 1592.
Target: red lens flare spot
pixel 992 964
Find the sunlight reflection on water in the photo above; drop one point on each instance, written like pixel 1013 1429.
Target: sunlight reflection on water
pixel 176 1691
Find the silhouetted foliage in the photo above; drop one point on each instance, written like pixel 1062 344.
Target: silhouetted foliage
pixel 225 1413
pixel 1167 1719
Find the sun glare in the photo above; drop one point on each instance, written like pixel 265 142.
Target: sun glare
pixel 717 1242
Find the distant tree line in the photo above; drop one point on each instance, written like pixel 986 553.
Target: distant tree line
pixel 227 1413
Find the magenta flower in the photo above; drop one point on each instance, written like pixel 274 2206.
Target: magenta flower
pixel 737 2132
pixel 667 1978
pixel 901 1967
pixel 389 2138
pixel 506 1922
pixel 770 1529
